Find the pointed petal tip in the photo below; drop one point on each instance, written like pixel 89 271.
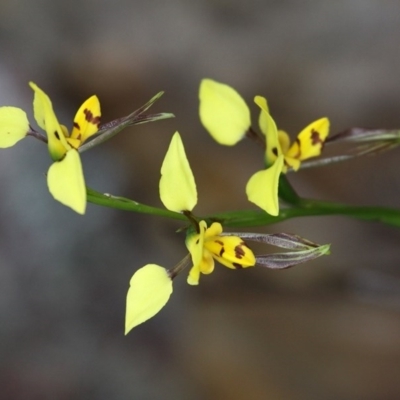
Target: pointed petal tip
pixel 177 184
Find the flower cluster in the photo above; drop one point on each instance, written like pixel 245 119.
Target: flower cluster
pixel 226 116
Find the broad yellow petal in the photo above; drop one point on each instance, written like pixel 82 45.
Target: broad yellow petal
pixel 66 182
pixel 310 140
pixel 14 126
pixel 150 289
pixel 47 120
pixel 177 186
pixel 223 112
pixel 269 129
pixel 262 188
pixel 87 120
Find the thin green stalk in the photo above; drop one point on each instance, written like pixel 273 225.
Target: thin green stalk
pixel 122 203
pixel 249 218
pixel 308 208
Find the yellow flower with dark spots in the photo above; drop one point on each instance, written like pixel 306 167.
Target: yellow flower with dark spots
pixel 65 176
pixel 208 245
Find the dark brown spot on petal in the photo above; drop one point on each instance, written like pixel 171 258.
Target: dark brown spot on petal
pixel 275 151
pixel 221 243
pixel 76 125
pixel 91 118
pixel 56 134
pixel 237 266
pixel 197 241
pixel 315 137
pixel 239 252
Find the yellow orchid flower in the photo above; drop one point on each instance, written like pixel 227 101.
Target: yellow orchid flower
pixel 225 115
pixel 178 193
pixel 208 245
pixel 65 177
pixel 308 144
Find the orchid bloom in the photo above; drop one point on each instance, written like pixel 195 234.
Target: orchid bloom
pixel 65 176
pixel 178 193
pixel 151 285
pixel 226 117
pixel 209 245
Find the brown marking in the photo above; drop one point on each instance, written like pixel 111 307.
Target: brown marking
pixel 76 125
pixel 57 135
pixel 239 252
pixel 221 243
pixel 237 266
pixel 275 151
pixel 316 138
pixel 197 241
pixel 91 118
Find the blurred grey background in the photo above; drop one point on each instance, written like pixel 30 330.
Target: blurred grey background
pixel 327 330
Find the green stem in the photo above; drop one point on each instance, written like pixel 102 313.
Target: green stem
pixel 308 208
pixel 287 192
pixel 122 203
pixel 249 218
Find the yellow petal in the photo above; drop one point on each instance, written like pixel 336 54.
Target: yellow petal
pixel 223 112
pixel 195 244
pixel 291 162
pixel 47 120
pixel 215 229
pixel 284 141
pixel 14 126
pixel 150 289
pixel 66 182
pixel 206 266
pixel 177 186
pixel 269 129
pixel 230 251
pixel 262 188
pixel 87 120
pixel 194 275
pixel 310 140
